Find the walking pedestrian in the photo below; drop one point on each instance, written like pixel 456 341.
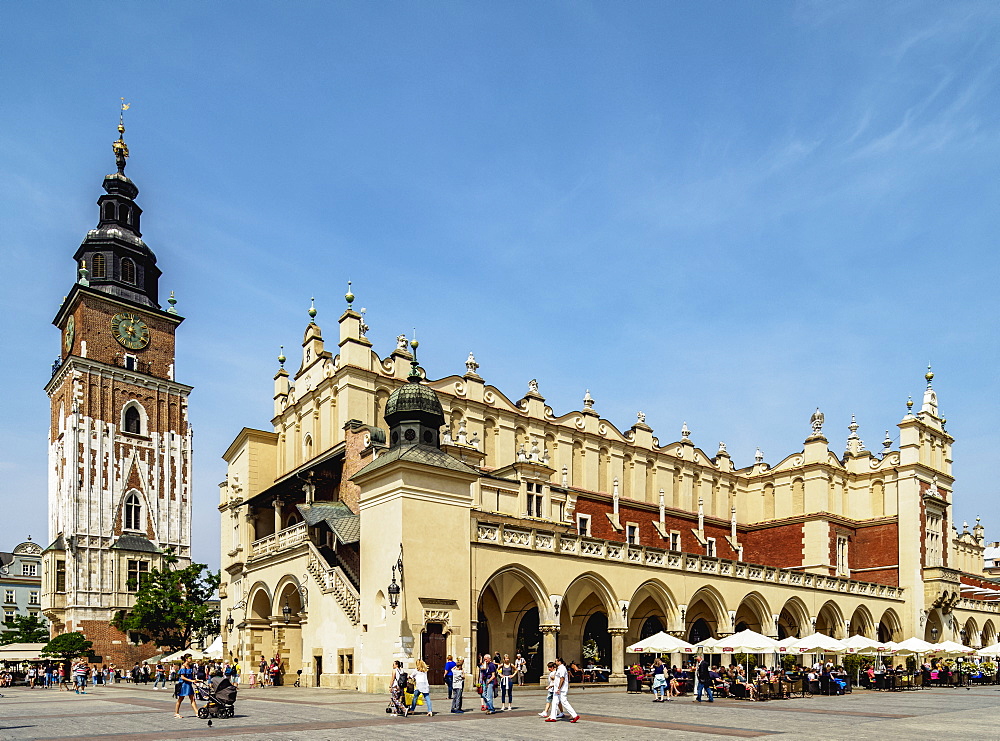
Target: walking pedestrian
pixel 506 676
pixel 559 695
pixel 703 674
pixel 449 664
pixel 421 687
pixel 80 670
pixel 457 685
pixel 521 667
pixel 397 690
pixel 659 680
pixel 549 690
pixel 159 677
pixel 489 674
pixel 185 686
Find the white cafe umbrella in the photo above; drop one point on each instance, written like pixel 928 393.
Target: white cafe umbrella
pixel 818 643
pixel 708 644
pixel 990 651
pixel 746 642
pixel 660 643
pixel 950 648
pixel 915 645
pixel 860 645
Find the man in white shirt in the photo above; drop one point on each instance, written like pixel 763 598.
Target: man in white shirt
pixel 559 695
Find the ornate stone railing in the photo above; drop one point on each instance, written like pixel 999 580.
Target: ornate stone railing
pixel 334 581
pixel 543 541
pixel 978 604
pixel 279 541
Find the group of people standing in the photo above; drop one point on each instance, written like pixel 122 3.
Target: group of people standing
pixel 493 673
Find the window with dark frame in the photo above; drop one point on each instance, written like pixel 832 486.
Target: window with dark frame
pixel 128 270
pixel 133 512
pixel 137 573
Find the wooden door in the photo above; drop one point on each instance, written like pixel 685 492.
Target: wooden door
pixel 435 652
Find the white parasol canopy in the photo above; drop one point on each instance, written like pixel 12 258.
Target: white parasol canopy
pixel 747 642
pixel 708 643
pixel 785 643
pixel 660 643
pixel 915 645
pixel 817 643
pixel 990 651
pixel 859 644
pixel 949 648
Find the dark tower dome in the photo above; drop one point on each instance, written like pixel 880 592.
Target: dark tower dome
pixel 413 413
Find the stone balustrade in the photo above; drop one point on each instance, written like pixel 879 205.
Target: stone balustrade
pixel 279 541
pixel 539 540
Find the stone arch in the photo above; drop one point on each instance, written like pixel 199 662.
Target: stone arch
pixel 259 602
pixel 934 622
pixel 754 613
pixel 576 469
pixel 627 472
pixel 589 610
pixel 971 633
pixel 889 627
pixel 520 438
pixel 862 622
pixel 288 592
pixel 490 442
pixel 793 620
pixel 878 498
pixel 830 620
pixel 768 496
pixel 505 598
pixel 989 634
pixel 798 496
pixel 652 599
pixel 603 465
pixel 707 604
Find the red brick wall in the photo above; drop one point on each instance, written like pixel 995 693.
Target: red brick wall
pixel 600 526
pixel 111 645
pixel 782 546
pixel 354 461
pixel 877 545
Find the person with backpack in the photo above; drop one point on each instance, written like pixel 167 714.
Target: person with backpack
pixel 397 688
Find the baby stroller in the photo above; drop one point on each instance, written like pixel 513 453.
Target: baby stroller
pixel 219 695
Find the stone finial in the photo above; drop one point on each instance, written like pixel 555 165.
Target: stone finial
pixel 462 435
pixel 533 386
pixel 281 356
pixel 402 343
pixel 173 304
pixel 685 433
pixel 640 417
pixel 588 400
pixel 909 406
pixel 474 441
pixel 758 456
pixel 930 404
pixel 887 443
pixel 349 296
pixel 312 308
pixel 853 441
pixel 978 530
pixel 816 421
pixel 471 366
pixel 84 274
pixel 363 327
pixel 521 454
pixel 535 452
pixel 722 450
pixel 446 436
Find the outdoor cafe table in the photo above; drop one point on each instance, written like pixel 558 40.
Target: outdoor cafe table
pixel 590 675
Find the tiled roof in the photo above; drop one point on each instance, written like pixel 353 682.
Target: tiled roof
pixel 338 516
pixel 135 543
pixel 424 454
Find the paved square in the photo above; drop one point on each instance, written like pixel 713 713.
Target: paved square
pixel 278 713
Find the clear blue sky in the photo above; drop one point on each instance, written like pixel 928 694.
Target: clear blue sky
pixel 720 213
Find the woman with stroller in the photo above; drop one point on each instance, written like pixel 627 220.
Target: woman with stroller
pixel 185 686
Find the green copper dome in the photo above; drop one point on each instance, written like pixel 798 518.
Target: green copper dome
pixel 413 398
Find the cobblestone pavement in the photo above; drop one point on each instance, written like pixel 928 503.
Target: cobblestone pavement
pixel 124 712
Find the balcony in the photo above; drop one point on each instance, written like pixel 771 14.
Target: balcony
pixel 570 544
pixel 280 541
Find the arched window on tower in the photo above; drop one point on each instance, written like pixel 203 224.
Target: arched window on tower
pixel 109 211
pixel 99 267
pixel 124 212
pixel 133 512
pixel 133 422
pixel 128 270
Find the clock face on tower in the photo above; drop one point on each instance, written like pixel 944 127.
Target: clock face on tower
pixel 130 331
pixel 70 333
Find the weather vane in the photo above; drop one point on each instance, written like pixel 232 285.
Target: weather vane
pixel 119 146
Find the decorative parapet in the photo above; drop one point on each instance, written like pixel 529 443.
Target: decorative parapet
pixel 279 541
pixel 543 541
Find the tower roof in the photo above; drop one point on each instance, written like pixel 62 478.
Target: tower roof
pixel 410 398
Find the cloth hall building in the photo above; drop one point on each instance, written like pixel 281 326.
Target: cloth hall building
pixel 384 515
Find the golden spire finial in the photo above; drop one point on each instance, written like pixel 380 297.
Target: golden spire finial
pixel 119 146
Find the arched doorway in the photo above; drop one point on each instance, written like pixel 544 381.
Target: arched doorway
pixel 596 640
pixel 529 644
pixel 511 607
pixel 434 652
pixel 793 620
pixel 700 630
pixel 650 627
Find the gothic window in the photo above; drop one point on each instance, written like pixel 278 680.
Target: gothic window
pixel 60 576
pixel 99 267
pixel 133 421
pixel 128 270
pixel 133 512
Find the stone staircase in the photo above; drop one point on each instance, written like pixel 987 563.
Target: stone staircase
pixel 333 580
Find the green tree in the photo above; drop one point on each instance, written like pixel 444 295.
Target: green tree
pixel 26 629
pixel 68 646
pixel 171 605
